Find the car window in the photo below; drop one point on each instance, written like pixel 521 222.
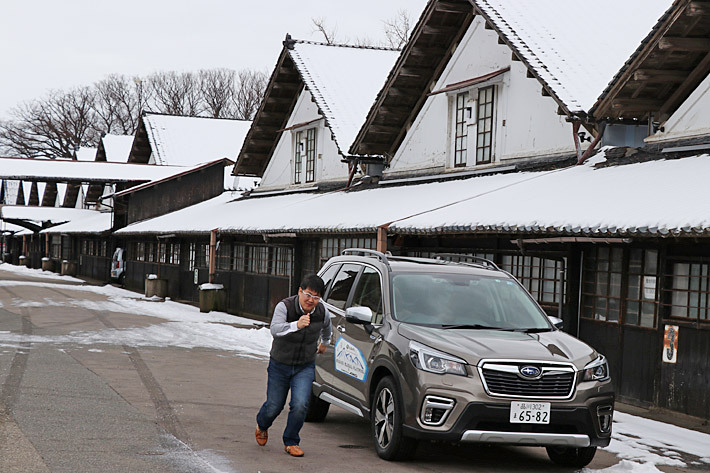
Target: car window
pixel 368 293
pixel 327 277
pixel 342 284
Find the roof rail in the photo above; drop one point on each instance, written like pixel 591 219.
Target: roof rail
pixel 473 260
pixel 365 252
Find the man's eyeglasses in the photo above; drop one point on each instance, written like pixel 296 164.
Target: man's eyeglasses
pixel 310 296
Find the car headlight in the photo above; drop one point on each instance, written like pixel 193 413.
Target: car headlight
pixel 597 370
pixel 435 361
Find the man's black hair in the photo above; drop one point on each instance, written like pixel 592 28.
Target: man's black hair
pixel 314 283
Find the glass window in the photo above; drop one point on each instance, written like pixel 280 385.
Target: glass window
pixel 328 275
pixel 175 253
pixel 238 252
pixel 641 299
pixel 484 125
pixel 544 278
pixel 342 284
pixel 368 293
pixel 298 153
pixel 334 246
pixel 258 261
pixel 191 256
pixel 224 256
pixel 461 130
pixel 601 283
pixel 690 291
pixel 282 261
pixel 311 155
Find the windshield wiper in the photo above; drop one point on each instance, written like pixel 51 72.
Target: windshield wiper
pixel 472 326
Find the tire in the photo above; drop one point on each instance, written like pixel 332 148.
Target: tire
pixel 122 280
pixel 386 419
pixel 571 456
pixel 317 409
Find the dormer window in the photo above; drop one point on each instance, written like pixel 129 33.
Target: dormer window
pixel 474 115
pixel 304 156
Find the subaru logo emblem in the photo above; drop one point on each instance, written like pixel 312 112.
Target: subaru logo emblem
pixel 530 371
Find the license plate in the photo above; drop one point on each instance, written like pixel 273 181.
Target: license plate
pixel 529 412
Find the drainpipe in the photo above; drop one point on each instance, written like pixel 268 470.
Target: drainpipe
pixel 24 245
pixel 583 156
pixel 46 245
pixel 382 237
pixel 213 255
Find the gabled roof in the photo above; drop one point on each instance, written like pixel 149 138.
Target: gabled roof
pixel 186 141
pixel 665 69
pixel 343 80
pixel 94 223
pixel 114 148
pixel 573 63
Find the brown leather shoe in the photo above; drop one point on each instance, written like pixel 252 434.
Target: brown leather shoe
pixel 294 450
pixel 262 436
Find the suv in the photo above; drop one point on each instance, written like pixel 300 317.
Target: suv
pixel 460 352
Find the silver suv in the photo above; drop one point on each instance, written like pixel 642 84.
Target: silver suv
pixel 432 349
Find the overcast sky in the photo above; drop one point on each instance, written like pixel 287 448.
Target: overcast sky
pixel 59 44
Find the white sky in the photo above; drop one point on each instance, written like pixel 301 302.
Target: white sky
pixel 47 44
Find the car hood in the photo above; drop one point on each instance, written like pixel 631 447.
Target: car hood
pixel 473 345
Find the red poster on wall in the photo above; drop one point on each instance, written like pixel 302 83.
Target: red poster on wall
pixel 670 344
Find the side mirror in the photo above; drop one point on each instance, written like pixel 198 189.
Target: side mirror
pixel 556 321
pixel 358 315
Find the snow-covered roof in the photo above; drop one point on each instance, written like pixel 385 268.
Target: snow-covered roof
pixel 187 141
pixel 39 215
pixel 67 170
pixel 575 63
pixel 579 200
pixel 344 81
pixel 94 223
pixel 117 147
pixel 7 227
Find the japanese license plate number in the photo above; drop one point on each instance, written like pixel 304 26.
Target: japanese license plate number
pixel 529 412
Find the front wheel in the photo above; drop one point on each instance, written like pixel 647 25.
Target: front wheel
pixel 571 456
pixel 386 418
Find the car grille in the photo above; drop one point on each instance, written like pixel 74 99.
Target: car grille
pixel 503 380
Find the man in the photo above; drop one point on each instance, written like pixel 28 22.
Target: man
pixel 297 325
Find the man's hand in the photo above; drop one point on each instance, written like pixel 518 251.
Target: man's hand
pixel 321 348
pixel 303 321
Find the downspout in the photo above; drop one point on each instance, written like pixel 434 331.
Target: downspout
pixel 46 245
pixel 24 245
pixel 213 256
pixel 583 156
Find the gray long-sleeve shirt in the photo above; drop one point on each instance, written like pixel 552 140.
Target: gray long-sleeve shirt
pixel 280 327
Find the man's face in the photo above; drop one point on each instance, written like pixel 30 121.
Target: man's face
pixel 308 299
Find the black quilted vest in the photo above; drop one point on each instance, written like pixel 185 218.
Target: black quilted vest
pixel 298 347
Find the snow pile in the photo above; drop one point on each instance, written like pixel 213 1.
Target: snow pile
pixel 36 273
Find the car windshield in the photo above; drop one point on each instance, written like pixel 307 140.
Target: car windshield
pixel 465 301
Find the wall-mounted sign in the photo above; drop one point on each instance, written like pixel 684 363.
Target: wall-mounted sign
pixel 649 287
pixel 670 344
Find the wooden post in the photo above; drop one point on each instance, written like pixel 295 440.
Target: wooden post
pixel 213 254
pixel 24 245
pixel 382 238
pixel 159 248
pixel 46 245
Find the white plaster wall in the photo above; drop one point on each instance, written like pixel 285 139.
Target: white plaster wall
pixel 278 173
pixel 527 124
pixel 691 119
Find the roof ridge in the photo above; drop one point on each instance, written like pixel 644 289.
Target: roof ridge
pixel 291 41
pixel 149 112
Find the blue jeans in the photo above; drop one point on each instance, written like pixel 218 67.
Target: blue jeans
pixel 297 378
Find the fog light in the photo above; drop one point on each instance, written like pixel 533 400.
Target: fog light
pixel 605 414
pixel 436 409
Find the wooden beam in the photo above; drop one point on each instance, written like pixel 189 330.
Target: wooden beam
pixel 501 40
pixel 684 44
pixel 515 57
pixel 414 71
pixel 697 9
pixel 452 7
pixel 660 75
pixel 694 78
pixel 545 92
pixel 437 30
pixel 636 105
pixel 383 129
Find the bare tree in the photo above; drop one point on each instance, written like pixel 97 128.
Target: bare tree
pixel 119 101
pixel 250 89
pixel 218 92
pixel 397 29
pixel 320 26
pixel 53 126
pixel 176 93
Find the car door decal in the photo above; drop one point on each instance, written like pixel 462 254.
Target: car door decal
pixel 350 360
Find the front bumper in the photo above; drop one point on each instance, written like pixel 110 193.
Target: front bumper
pixel 570 426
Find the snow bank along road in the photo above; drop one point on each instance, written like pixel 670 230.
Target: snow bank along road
pixel 101 379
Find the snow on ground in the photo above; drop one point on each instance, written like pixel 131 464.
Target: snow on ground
pixel 36 273
pixel 185 326
pixel 641 444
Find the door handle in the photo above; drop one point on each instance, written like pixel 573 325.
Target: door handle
pixel 341 329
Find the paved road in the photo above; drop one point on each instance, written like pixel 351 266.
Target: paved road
pixel 66 407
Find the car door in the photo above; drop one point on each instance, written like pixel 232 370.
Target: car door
pixel 324 363
pixel 355 342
